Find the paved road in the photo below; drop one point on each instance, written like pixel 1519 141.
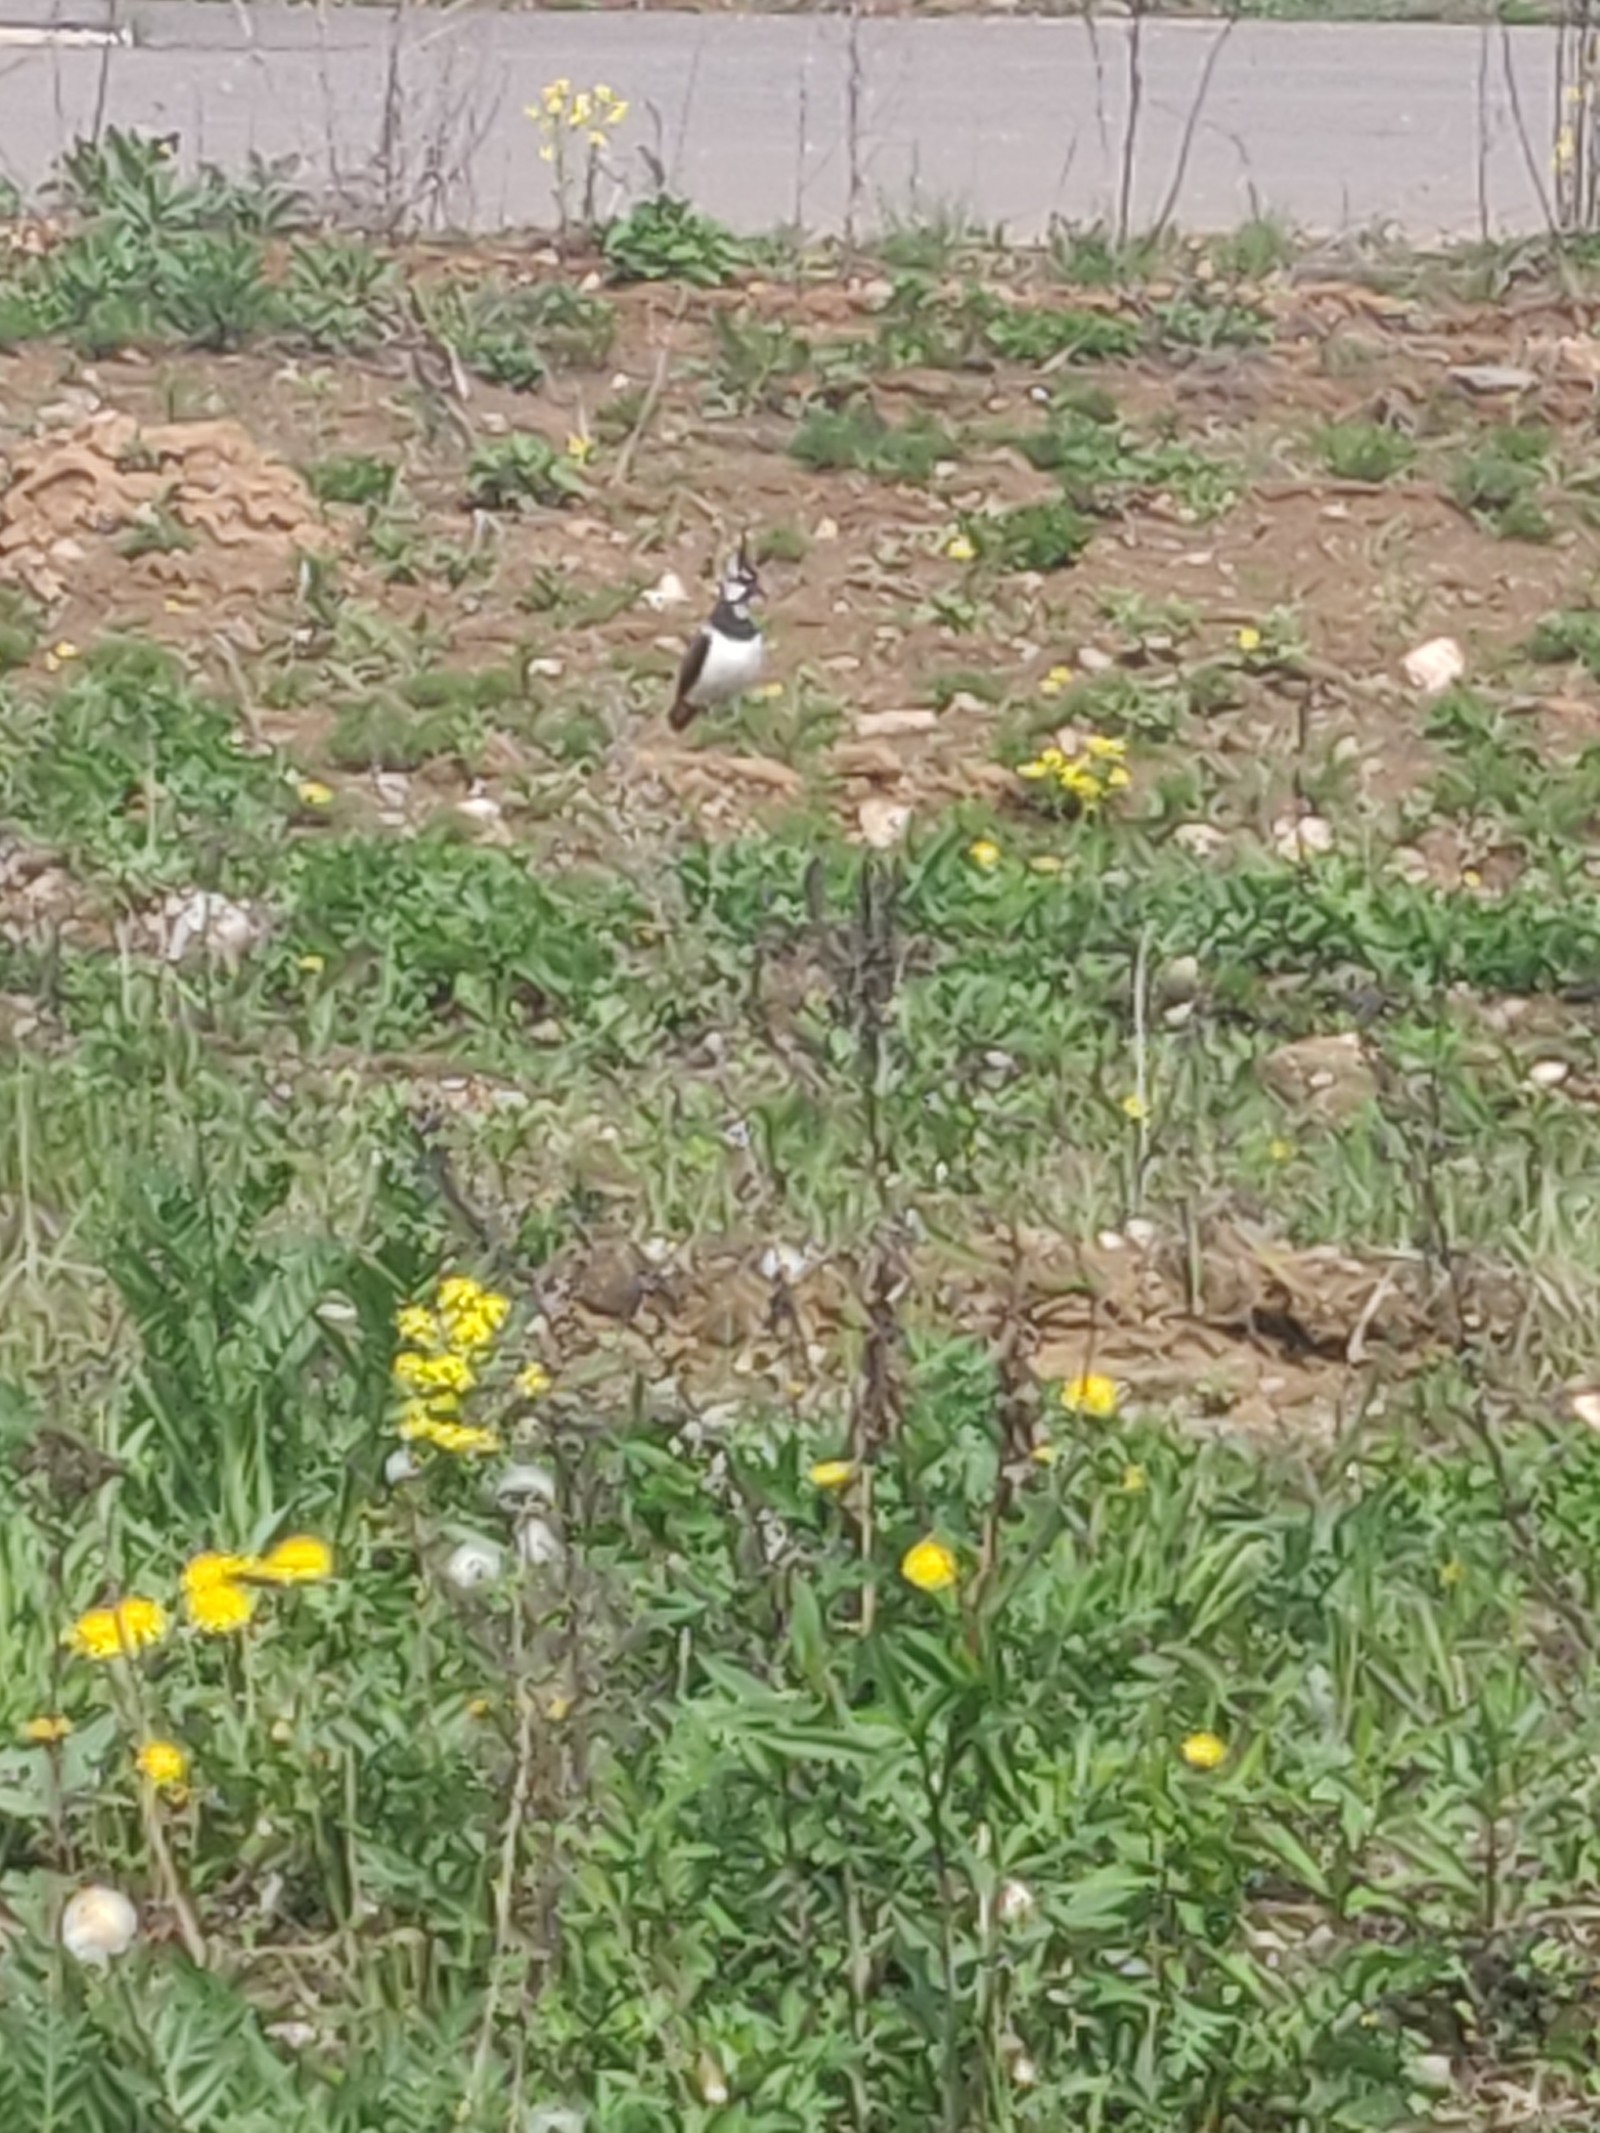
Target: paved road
pixel 1012 121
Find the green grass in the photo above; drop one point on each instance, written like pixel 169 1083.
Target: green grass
pixel 698 1811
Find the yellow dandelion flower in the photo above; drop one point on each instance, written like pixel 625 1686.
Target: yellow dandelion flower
pixel 311 792
pixel 462 1439
pixel 417 1326
pixel 1090 1394
pixel 985 854
pixel 118 1631
pixel 1107 747
pixel 1203 1751
pixel 930 1566
pixel 302 1559
pixel 1045 1454
pixel 218 1609
pixel 532 1381
pixel 1249 639
pixel 832 1473
pixel 959 549
pixel 1133 1106
pixel 46 1731
pixel 1281 1151
pixel 213 1569
pixel 163 1763
pixel 1118 778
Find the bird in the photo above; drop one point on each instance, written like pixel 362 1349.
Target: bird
pixel 726 654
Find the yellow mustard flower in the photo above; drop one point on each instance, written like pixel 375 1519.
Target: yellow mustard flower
pixel 164 1763
pixel 580 449
pixel 1281 1151
pixel 959 549
pixel 312 965
pixel 1134 1480
pixel 417 1326
pixel 120 1630
pixel 433 1373
pixel 1203 1751
pixel 462 1439
pixel 1249 639
pixel 46 1731
pixel 1045 1453
pixel 1090 1394
pixel 832 1473
pixel 311 792
pixel 984 854
pixel 533 1381
pixel 1055 681
pixel 302 1559
pixel 930 1566
pixel 1134 1107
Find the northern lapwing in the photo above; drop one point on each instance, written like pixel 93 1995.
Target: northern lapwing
pixel 726 654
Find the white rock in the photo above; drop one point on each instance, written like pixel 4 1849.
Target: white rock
pixel 1548 1073
pixel 1435 666
pixel 1301 837
pixel 479 807
pixel 547 669
pixel 1200 839
pixel 667 591
pixel 402 1465
pixel 474 1563
pixel 1586 1406
pixel 826 529
pixel 199 920
pixel 886 725
pixel 98 1925
pixel 883 823
pixel 1091 660
pixel 786 1262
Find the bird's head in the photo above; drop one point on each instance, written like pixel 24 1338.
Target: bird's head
pixel 740 585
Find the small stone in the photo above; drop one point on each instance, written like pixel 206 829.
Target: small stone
pixel 1492 377
pixel 1202 840
pixel 1586 1407
pixel 826 529
pixel 883 823
pixel 1091 660
pixel 667 591
pixel 1548 1073
pixel 1435 666
pixel 880 725
pixel 1301 837
pixel 548 669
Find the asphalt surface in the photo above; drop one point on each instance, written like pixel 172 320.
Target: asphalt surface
pixel 1011 121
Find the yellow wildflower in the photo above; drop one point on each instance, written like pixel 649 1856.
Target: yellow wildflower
pixel 1204 1751
pixel 1045 1454
pixel 1134 1106
pixel 832 1473
pixel 59 655
pixel 164 1763
pixel 220 1608
pixel 433 1373
pixel 1281 1151
pixel 619 110
pixel 1134 1480
pixel 985 854
pixel 597 139
pixel 417 1326
pixel 1249 639
pixel 312 965
pixel 580 449
pixel 118 1631
pixel 472 1316
pixel 930 1566
pixel 47 1731
pixel 532 1381
pixel 1452 1573
pixel 1090 1394
pixel 302 1559
pixel 581 110
pixel 1108 747
pixel 311 792
pixel 417 1426
pixel 1055 681
pixel 959 549
pixel 768 693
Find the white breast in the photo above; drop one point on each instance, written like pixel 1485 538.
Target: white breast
pixel 733 664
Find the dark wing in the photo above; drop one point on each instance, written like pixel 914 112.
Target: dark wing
pixel 694 662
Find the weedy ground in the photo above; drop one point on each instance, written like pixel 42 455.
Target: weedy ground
pixel 1000 1526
